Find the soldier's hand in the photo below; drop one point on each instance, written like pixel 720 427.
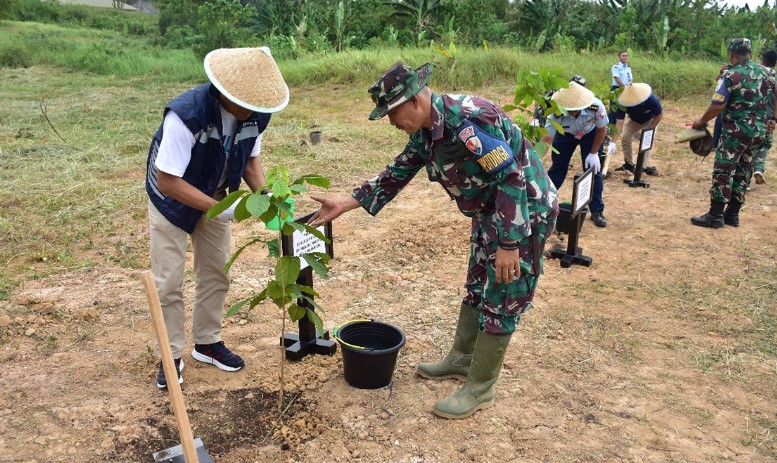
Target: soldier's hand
pixel 331 208
pixel 507 265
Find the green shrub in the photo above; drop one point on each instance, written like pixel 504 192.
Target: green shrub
pixel 15 54
pixel 6 9
pixel 52 12
pixel 45 11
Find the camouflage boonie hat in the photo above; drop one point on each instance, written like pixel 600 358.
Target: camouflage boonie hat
pixel 398 84
pixel 739 45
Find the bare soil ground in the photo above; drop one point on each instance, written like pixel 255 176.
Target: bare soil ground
pixel 662 351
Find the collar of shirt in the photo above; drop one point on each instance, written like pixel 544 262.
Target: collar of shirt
pixel 438 117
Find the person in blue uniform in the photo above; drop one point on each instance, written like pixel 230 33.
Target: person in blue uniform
pixel 584 124
pixel 644 111
pixel 621 77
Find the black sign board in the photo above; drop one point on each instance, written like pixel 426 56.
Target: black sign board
pixel 308 341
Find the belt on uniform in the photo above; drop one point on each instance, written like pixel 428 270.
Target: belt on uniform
pixel 536 251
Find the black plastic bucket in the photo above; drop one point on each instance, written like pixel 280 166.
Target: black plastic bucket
pixel 370 352
pixel 565 216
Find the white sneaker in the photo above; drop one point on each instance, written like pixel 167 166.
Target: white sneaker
pixel 759 177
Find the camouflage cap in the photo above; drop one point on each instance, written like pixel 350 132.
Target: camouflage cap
pixel 396 86
pixel 739 45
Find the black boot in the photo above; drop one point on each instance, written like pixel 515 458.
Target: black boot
pixel 713 218
pixel 731 216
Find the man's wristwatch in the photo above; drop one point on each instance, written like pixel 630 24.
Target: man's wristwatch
pixel 509 245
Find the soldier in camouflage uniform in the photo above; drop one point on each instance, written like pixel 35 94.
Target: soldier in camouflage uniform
pixel 744 97
pixel 768 59
pixel 472 148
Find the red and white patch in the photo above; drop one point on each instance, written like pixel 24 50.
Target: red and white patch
pixel 474 145
pixel 466 133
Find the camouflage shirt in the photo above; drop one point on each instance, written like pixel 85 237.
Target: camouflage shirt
pixel 508 203
pixel 747 90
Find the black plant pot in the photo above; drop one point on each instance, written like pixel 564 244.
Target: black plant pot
pixel 564 216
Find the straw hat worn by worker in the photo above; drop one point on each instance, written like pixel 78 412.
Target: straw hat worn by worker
pixel 574 98
pixel 209 141
pixel 248 77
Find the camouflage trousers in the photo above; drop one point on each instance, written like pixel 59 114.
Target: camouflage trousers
pixel 759 158
pixel 732 170
pixel 501 304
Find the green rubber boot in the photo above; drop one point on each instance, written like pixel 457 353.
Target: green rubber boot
pixel 456 363
pixel 478 392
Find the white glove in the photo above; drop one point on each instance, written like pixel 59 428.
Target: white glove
pixel 592 160
pixel 229 213
pixel 611 148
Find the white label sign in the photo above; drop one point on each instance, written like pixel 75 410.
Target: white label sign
pixel 647 139
pixel 584 188
pixel 304 242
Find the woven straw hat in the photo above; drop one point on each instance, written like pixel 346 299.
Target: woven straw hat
pixel 690 134
pixel 574 98
pixel 702 146
pixel 248 77
pixel 634 94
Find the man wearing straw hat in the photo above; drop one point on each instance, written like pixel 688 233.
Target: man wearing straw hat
pixel 585 125
pixel 644 110
pixel 208 142
pixel 472 148
pixel 744 98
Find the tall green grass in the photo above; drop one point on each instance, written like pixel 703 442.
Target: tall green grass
pixel 104 52
pixel 93 51
pixel 474 68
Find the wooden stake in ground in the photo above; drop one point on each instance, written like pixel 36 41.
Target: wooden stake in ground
pixel 176 395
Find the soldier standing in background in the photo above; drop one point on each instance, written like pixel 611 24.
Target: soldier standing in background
pixel 472 148
pixel 768 59
pixel 744 98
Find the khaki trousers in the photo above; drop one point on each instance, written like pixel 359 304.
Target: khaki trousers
pixel 631 131
pixel 211 243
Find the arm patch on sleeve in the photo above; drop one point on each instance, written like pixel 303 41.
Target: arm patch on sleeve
pixel 490 152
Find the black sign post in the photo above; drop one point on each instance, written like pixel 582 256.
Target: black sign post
pixel 308 341
pixel 581 196
pixel 645 145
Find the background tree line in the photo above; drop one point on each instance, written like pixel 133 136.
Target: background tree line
pixel 294 27
pixel 698 28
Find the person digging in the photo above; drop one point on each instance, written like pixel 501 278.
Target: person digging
pixel 479 156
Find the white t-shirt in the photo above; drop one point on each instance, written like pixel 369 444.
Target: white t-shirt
pixel 175 148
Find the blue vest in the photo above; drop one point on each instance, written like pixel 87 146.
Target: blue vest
pixel 200 110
